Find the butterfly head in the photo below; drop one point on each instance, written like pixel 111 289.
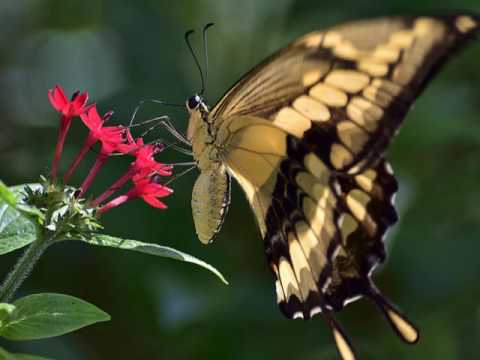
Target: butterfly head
pixel 198 111
pixel 196 103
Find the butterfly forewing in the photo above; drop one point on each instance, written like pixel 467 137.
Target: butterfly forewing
pixel 346 90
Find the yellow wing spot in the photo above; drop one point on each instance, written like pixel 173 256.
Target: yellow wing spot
pixel 312 40
pixel 357 167
pixel 279 292
pixel 388 86
pixel 329 95
pixel 407 330
pixel 343 346
pixel 288 280
pixel 404 73
pixel 465 23
pixel 352 135
pixel 364 113
pixel 340 157
pixel 366 180
pixel 312 187
pixel 292 122
pixel 377 95
pixel 318 219
pixel 347 51
pixel 311 77
pixel 402 39
pixel 315 248
pixel 424 26
pixel 373 68
pixel 349 80
pixel 317 168
pixel 388 53
pixel 349 225
pixel 332 39
pixel 311 108
pixel 301 266
pixel 357 201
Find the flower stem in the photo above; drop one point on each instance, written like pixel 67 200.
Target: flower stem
pixel 65 123
pixel 101 158
pixel 22 269
pixel 89 142
pixel 113 203
pixel 115 186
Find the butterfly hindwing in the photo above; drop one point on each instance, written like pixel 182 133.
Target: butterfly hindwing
pixel 295 206
pixel 367 211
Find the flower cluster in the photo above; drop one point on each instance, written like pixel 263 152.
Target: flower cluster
pixel 144 171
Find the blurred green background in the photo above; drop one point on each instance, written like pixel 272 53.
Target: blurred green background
pixel 124 51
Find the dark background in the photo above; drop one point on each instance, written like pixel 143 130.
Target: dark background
pixel 124 51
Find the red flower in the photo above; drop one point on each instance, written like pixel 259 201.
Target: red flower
pixel 146 186
pixel 144 158
pixel 144 164
pixel 68 109
pixel 145 172
pixel 149 187
pixel 59 101
pixel 113 139
pixel 94 122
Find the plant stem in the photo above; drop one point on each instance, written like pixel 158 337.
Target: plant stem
pixel 22 268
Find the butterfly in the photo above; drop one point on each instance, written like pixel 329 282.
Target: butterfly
pixel 304 134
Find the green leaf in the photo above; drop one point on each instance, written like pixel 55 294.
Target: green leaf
pixel 46 315
pixel 5 355
pixel 19 356
pixel 7 195
pixel 151 249
pixel 16 230
pixel 5 311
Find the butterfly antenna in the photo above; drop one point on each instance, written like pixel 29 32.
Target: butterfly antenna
pixel 187 40
pixel 205 53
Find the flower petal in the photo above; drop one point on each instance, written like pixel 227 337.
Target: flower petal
pixel 92 119
pixel 79 102
pixel 57 98
pixel 153 201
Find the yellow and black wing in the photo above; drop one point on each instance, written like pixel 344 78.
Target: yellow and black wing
pixel 304 134
pixel 346 90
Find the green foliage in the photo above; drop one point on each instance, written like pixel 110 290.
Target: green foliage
pixel 41 316
pixel 5 355
pixel 151 249
pixel 16 230
pixel 61 214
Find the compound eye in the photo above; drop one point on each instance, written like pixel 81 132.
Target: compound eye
pixel 193 102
